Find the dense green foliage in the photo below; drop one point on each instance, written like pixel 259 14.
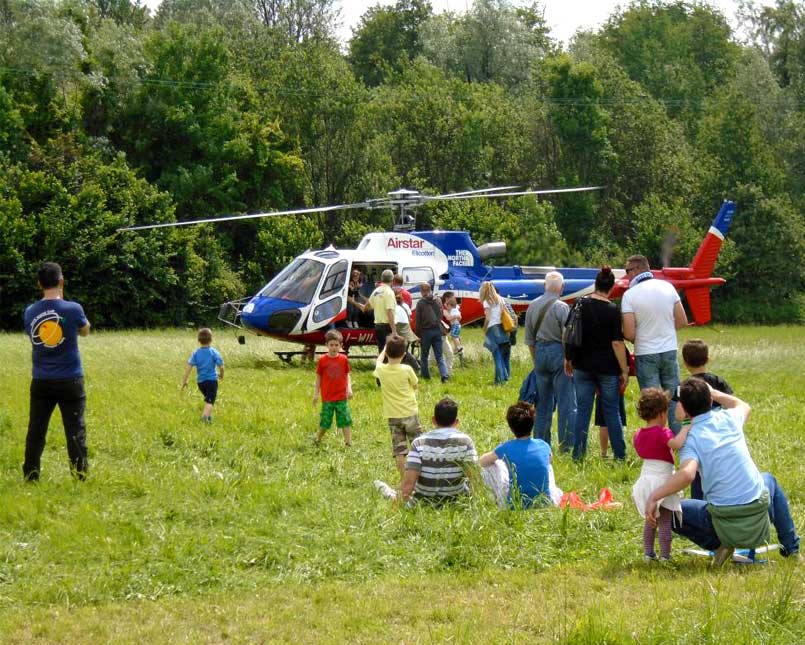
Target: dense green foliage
pixel 244 531
pixel 111 116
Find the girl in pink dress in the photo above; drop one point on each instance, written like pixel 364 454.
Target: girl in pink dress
pixel 654 444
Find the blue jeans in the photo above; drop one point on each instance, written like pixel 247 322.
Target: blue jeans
pixel 660 370
pixel 495 338
pixel 697 525
pixel 431 338
pixel 553 383
pixel 607 384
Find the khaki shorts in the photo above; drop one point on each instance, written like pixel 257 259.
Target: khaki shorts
pixel 403 432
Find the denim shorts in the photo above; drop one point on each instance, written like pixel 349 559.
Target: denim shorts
pixel 210 391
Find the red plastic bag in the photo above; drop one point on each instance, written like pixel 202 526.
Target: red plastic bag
pixel 605 501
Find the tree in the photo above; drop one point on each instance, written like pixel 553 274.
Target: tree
pixel 584 154
pixel 67 205
pixel 442 133
pixel 680 52
pixel 779 32
pixel 387 39
pixel 493 41
pixel 299 20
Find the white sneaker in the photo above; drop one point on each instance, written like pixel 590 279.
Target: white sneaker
pixel 385 490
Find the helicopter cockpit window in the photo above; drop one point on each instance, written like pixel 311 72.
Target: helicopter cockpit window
pixel 417 275
pixel 297 282
pixel 335 280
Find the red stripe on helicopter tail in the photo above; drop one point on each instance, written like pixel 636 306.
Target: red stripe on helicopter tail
pixel 705 259
pixel 699 303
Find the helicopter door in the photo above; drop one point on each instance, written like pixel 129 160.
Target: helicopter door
pixel 332 297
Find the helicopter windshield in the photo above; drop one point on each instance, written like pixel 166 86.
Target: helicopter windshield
pixel 297 281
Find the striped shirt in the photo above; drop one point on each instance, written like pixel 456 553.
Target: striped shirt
pixel 442 457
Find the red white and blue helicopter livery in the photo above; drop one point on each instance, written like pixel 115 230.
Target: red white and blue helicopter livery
pixel 309 296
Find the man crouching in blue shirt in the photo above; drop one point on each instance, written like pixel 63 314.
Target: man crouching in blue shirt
pixel 53 325
pixel 739 500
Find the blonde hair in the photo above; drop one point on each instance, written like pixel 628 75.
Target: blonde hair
pixel 488 293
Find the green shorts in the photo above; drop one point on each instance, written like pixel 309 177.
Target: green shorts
pixel 340 409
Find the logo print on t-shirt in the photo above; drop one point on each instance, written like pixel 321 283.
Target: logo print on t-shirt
pixel 47 330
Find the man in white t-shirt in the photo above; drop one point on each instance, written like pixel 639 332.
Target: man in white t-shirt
pixel 652 312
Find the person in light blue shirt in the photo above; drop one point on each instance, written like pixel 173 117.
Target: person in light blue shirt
pixel 528 460
pixel 717 448
pixel 205 359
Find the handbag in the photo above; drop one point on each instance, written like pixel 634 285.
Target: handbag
pixel 573 334
pixel 506 318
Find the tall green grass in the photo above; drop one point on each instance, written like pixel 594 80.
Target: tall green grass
pixel 246 530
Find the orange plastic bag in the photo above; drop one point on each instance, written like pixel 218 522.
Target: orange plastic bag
pixel 605 501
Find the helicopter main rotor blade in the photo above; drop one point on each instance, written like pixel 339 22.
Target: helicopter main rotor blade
pixel 549 191
pixel 469 192
pixel 297 211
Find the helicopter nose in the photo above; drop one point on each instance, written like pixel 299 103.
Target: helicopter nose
pixel 272 316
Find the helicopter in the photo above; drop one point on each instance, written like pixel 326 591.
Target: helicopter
pixel 309 296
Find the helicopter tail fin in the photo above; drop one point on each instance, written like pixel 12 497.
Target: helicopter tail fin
pixel 699 304
pixel 705 259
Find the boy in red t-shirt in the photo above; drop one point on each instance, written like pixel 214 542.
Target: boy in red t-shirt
pixel 335 386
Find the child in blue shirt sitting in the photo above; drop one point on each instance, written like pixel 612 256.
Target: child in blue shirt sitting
pixel 205 359
pixel 528 461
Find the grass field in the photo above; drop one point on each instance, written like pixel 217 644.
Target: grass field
pixel 244 531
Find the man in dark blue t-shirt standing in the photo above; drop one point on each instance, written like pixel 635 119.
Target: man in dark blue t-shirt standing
pixel 53 325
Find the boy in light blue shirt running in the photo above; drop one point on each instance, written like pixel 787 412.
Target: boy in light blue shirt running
pixel 205 359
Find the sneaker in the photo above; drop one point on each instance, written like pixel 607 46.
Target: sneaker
pixel 649 558
pixel 722 554
pixel 665 558
pixel 385 490
pixel 445 379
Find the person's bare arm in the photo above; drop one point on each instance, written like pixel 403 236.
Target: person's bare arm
pixel 533 351
pixel 84 331
pixel 679 440
pixel 629 326
pixel 620 353
pixel 220 372
pixel 408 482
pixel 364 307
pixel 380 358
pixel 317 389
pixel 487 459
pixel 729 402
pixel 187 369
pixel 391 322
pixel 680 317
pixel 681 479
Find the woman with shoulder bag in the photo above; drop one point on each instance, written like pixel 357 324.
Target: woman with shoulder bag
pixel 496 337
pixel 599 363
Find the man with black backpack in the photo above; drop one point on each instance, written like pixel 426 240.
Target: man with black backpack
pixel 544 323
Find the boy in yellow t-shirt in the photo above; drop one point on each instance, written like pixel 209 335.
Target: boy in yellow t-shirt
pixel 398 383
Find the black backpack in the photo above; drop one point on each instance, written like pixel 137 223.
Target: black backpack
pixel 573 335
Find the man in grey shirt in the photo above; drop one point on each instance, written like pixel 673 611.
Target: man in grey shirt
pixel 544 323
